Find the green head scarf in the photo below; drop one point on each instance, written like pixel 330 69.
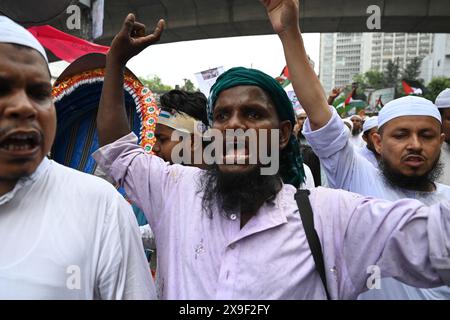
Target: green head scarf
pixel 291 162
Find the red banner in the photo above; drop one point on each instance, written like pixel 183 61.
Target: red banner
pixel 63 45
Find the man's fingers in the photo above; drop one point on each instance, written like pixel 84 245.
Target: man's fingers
pixel 138 29
pixel 154 37
pixel 159 28
pixel 128 24
pixel 271 4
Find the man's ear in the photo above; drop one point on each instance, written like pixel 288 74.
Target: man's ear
pixel 376 137
pixel 285 133
pixel 364 137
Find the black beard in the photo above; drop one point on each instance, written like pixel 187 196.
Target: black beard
pixel 236 192
pixel 418 183
pixel 355 132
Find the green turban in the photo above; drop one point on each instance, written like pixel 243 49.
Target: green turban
pixel 291 162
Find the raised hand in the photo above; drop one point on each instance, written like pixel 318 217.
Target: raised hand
pixel 335 92
pixel 283 14
pixel 131 39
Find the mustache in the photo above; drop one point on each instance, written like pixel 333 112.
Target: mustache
pixel 414 154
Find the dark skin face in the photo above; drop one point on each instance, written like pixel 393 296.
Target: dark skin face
pixel 248 107
pixel 410 144
pixel 369 139
pixel 357 123
pixel 163 145
pixel 27 113
pixel 446 124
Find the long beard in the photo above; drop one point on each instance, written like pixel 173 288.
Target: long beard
pixel 419 183
pixel 355 132
pixel 232 193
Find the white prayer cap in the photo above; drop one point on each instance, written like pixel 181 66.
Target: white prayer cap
pixel 357 116
pixel 443 99
pixel 370 123
pixel 407 106
pixel 11 32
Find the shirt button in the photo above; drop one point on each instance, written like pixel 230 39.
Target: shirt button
pixel 233 217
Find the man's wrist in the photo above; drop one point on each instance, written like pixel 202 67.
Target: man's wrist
pixel 114 62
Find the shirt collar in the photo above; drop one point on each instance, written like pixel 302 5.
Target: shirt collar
pixel 25 181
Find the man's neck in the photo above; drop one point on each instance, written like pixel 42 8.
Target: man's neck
pixel 6 186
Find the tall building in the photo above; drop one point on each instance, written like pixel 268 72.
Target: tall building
pixel 401 46
pixel 342 55
pixel 340 58
pixel 437 63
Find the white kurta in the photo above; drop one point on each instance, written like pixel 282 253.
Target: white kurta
pixel 445 159
pixel 69 235
pixel 369 155
pixel 309 179
pixel 347 169
pixel 357 140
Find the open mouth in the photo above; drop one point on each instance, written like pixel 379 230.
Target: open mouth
pixel 21 142
pixel 236 153
pixel 414 160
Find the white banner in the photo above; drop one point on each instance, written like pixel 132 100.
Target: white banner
pixel 97 18
pixel 207 78
pixel 385 94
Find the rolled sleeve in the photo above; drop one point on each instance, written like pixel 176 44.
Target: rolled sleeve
pixel 329 139
pixel 343 166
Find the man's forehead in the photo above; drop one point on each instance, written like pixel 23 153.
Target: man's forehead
pixel 235 92
pixel 23 58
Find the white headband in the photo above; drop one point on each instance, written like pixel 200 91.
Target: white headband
pixel 181 121
pixel 407 106
pixel 370 123
pixel 11 32
pixel 443 99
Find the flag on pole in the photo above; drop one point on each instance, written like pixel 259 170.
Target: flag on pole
pixel 284 78
pixel 379 104
pixel 65 46
pixel 348 105
pixel 409 89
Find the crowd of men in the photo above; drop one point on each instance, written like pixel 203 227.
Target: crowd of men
pixel 223 229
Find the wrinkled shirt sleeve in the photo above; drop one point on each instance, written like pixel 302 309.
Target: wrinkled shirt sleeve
pixel 343 165
pixel 364 238
pixel 146 178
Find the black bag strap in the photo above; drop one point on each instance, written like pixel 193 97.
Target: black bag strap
pixel 306 214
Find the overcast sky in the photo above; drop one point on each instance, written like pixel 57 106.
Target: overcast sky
pixel 173 62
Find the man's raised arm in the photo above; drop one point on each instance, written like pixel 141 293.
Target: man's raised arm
pixel 284 16
pixel 112 122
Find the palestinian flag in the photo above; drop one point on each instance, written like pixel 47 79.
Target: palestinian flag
pixel 412 87
pixel 379 104
pixel 346 105
pixel 284 78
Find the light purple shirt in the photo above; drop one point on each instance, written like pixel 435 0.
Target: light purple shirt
pixel 202 257
pixel 348 169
